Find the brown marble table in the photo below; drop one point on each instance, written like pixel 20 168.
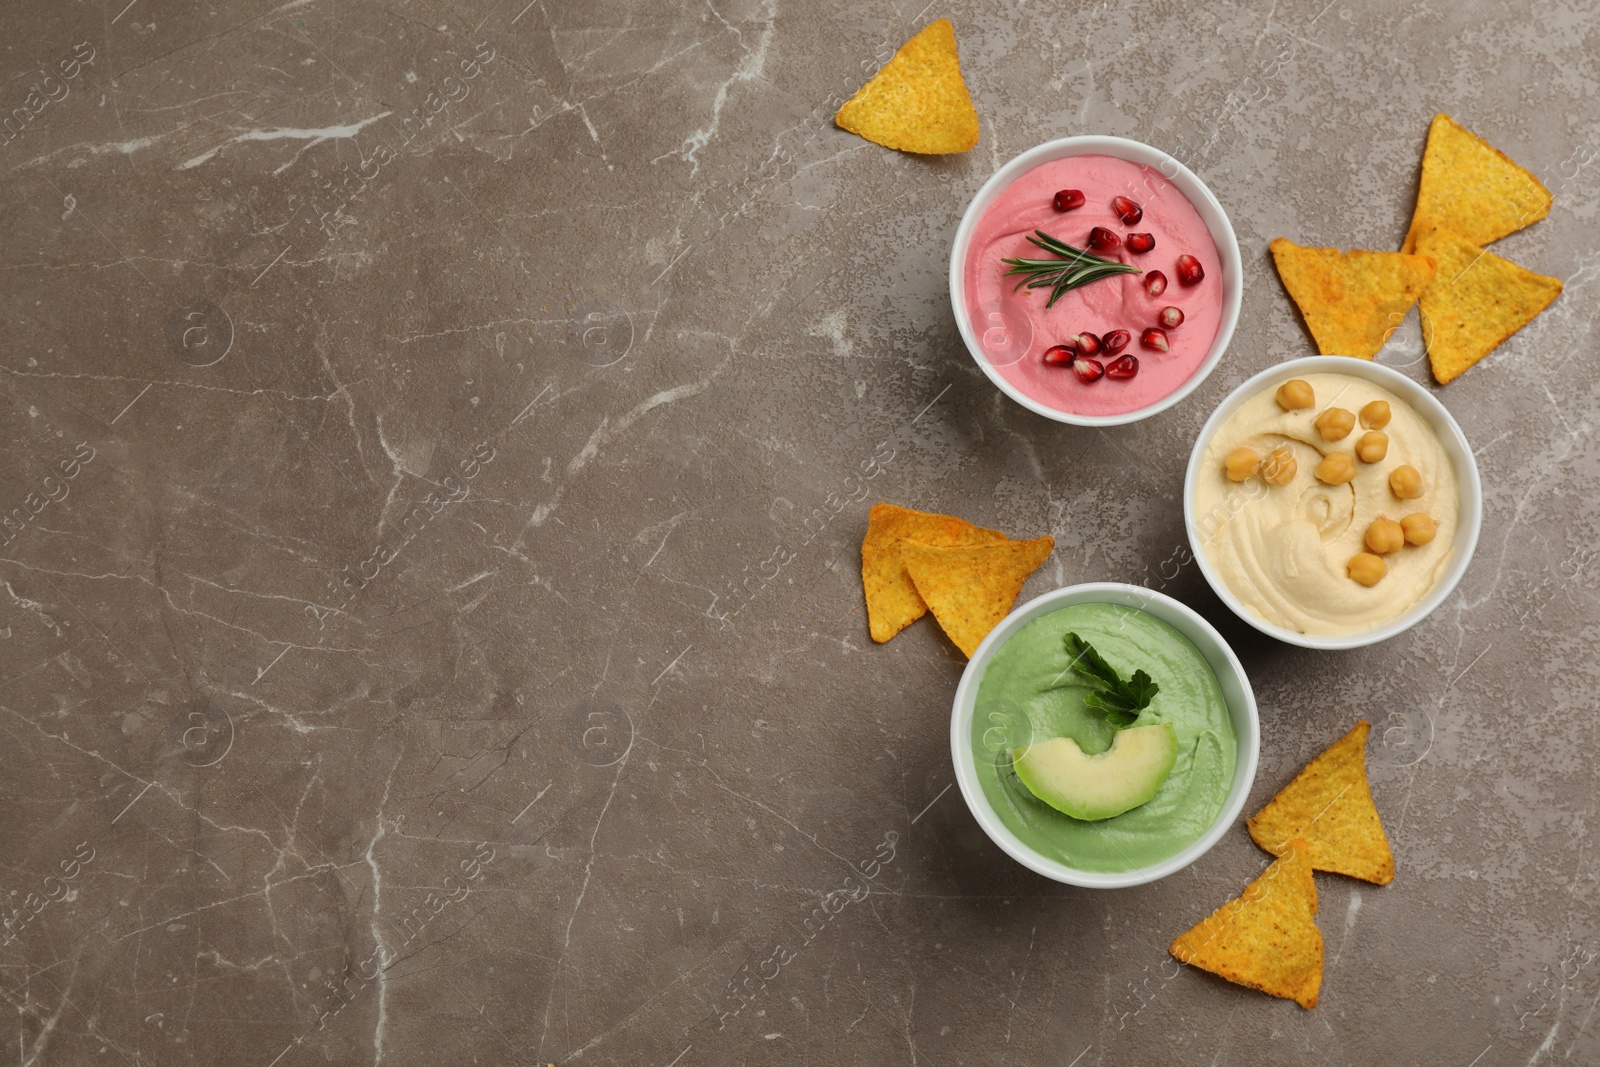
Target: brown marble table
pixel 432 630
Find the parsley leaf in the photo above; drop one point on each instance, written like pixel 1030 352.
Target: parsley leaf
pixel 1120 701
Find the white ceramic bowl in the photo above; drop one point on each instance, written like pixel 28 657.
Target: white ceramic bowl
pixel 1236 692
pixel 1469 488
pixel 1184 179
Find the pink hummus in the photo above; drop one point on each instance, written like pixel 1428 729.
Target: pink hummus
pixel 1014 329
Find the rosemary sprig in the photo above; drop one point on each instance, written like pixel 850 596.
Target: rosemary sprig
pixel 1075 267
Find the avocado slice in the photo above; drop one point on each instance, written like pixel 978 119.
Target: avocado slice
pixel 1109 783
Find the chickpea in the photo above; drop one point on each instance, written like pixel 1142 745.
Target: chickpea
pixel 1375 416
pixel 1419 528
pixel 1336 468
pixel 1335 424
pixel 1280 467
pixel 1296 394
pixel 1367 569
pixel 1406 482
pixel 1385 536
pixel 1241 463
pixel 1373 446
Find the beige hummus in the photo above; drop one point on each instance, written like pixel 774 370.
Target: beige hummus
pixel 1282 549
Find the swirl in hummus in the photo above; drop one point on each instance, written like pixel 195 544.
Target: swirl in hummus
pixel 1283 550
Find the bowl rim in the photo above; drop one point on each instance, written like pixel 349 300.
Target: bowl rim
pixel 1186 621
pixel 1469 490
pixel 1187 182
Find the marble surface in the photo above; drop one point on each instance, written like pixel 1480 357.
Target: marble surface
pixel 432 632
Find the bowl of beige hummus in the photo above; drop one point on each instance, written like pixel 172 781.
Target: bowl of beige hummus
pixel 1332 502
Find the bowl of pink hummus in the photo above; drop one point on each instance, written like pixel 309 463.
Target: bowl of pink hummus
pixel 1095 280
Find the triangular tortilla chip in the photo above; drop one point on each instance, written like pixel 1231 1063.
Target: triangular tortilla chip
pixel 1266 938
pixel 1472 188
pixel 892 599
pixel 1352 301
pixel 1329 806
pixel 917 102
pixel 1475 302
pixel 970 588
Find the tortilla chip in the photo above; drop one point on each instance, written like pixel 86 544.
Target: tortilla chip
pixel 1352 301
pixel 1329 807
pixel 1266 938
pixel 1472 188
pixel 892 599
pixel 1475 302
pixel 917 102
pixel 970 588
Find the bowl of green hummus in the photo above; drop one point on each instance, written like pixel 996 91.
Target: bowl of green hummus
pixel 1104 735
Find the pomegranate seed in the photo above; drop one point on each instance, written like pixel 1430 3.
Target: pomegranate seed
pixel 1115 341
pixel 1155 340
pixel 1129 212
pixel 1155 283
pixel 1189 270
pixel 1103 240
pixel 1069 200
pixel 1170 317
pixel 1088 344
pixel 1059 354
pixel 1123 367
pixel 1088 370
pixel 1141 242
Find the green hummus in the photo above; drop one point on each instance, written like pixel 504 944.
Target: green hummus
pixel 1028 694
